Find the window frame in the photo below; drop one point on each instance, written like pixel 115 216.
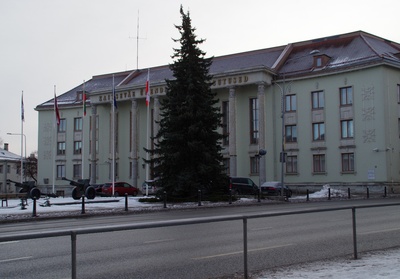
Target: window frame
pixel 77 147
pixel 317 100
pixel 317 134
pixel 289 136
pixel 290 103
pixel 62 127
pixel 346 96
pixel 254 121
pixel 78 124
pixel 348 162
pixel 291 164
pixel 347 132
pixel 319 163
pixel 61 148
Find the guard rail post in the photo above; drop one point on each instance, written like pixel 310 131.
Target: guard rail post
pixel 126 201
pixel 245 248
pixel 73 254
pixel 353 210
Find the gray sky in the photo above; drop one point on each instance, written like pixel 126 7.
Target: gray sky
pixel 56 42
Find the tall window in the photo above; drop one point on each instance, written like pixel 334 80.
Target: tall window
pixel 347 129
pixel 398 93
pixel 348 162
pixel 254 165
pixel 318 131
pixel 77 170
pixel 225 122
pixel 346 96
pixel 226 163
pixel 317 99
pixel 319 163
pixel 291 164
pixel 77 147
pixel 254 124
pixel 291 133
pixel 60 171
pixel 61 148
pixel 63 126
pixel 290 103
pixel 78 124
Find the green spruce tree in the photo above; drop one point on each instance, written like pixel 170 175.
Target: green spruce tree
pixel 187 156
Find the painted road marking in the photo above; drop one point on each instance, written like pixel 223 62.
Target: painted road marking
pixel 240 252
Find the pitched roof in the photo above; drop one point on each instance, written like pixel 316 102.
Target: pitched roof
pixel 344 51
pixel 6 155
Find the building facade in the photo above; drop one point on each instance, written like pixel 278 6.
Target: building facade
pixel 330 107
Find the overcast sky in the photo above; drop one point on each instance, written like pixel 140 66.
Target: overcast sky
pixel 57 42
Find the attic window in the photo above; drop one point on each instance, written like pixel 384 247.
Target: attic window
pixel 321 61
pixel 79 96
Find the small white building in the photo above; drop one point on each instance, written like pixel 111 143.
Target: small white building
pixel 10 168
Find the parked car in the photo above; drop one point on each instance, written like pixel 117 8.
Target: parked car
pixel 149 185
pixel 120 189
pixel 97 187
pixel 274 188
pixel 243 186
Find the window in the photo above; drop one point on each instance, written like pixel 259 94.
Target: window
pixel 77 147
pixel 63 126
pixel 60 171
pixel 318 101
pixel 78 124
pixel 77 169
pixel 225 122
pixel 318 131
pixel 346 96
pixel 291 164
pixel 291 133
pixel 347 129
pixel 319 163
pixel 61 148
pixel 254 165
pixel 290 103
pixel 348 162
pixel 318 63
pixel 398 93
pixel 254 121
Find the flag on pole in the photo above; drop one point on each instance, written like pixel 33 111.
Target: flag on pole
pixel 57 112
pixel 148 88
pixel 22 107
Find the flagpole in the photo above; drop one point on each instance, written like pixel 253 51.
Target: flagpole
pixel 22 134
pixel 83 130
pixel 113 137
pixel 148 130
pixel 54 138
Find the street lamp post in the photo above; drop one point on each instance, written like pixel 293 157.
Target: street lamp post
pixel 22 159
pixel 283 89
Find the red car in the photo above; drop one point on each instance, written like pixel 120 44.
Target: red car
pixel 120 189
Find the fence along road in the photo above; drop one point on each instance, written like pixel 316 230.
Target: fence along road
pixel 241 252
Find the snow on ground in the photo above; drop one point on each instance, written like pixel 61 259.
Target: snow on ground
pixel 378 264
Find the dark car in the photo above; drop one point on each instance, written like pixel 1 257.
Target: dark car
pixel 120 189
pixel 274 188
pixel 243 186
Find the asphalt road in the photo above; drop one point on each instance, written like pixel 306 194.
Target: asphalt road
pixel 199 251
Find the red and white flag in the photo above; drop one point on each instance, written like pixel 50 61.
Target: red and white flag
pixel 56 111
pixel 148 88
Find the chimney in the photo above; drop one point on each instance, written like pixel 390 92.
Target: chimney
pixel 6 146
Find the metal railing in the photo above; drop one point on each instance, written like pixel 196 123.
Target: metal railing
pixel 183 222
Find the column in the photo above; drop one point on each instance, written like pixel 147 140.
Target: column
pixel 261 129
pixel 93 149
pixel 156 115
pixel 232 132
pixel 134 147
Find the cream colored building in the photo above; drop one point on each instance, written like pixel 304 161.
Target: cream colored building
pixel 10 168
pixel 341 117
